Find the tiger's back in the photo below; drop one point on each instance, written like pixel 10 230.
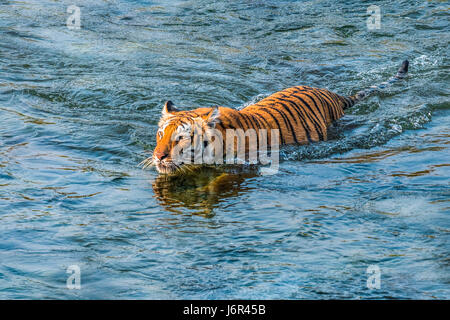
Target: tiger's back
pixel 302 113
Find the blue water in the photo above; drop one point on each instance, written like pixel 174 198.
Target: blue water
pixel 79 110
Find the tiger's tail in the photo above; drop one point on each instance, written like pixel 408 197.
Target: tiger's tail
pixel 369 91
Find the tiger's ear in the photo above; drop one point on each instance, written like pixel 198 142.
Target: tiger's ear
pixel 168 108
pixel 212 117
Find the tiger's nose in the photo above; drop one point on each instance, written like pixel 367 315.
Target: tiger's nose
pixel 161 155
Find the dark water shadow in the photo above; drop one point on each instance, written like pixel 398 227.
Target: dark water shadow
pixel 202 190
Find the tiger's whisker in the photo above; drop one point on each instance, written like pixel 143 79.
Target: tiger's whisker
pixel 146 163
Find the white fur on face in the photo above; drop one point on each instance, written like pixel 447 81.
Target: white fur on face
pixel 190 139
pixel 185 128
pixel 163 124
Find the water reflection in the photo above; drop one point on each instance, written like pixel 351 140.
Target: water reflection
pixel 203 190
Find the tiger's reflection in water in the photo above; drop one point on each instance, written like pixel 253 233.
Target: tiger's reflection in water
pixel 203 190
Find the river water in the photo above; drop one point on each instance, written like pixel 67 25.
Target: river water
pixel 79 110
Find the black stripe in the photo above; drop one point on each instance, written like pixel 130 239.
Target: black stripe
pixel 239 122
pixel 319 99
pixel 295 137
pixel 231 124
pixel 287 107
pixel 348 103
pixel 300 117
pixel 325 103
pixel 244 116
pixel 269 98
pixel 286 119
pixel 302 88
pixel 315 123
pixel 309 90
pixel 250 120
pixel 329 105
pixel 340 99
pixel 220 124
pixel 278 124
pixel 256 117
pixel 305 126
pixel 334 104
pixel 312 117
pixel 306 93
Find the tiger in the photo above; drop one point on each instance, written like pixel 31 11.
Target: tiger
pixel 301 114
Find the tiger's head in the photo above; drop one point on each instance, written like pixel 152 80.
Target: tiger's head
pixel 177 131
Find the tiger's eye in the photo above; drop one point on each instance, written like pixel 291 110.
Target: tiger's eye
pixel 179 138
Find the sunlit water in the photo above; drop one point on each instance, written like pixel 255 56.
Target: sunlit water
pixel 79 110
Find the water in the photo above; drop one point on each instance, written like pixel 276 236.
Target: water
pixel 79 110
